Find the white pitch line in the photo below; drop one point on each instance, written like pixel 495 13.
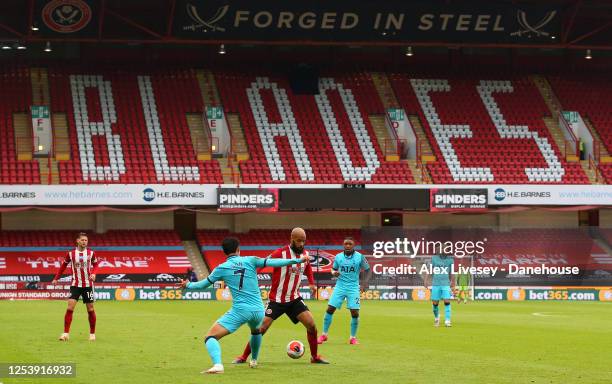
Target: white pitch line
pixel 546 314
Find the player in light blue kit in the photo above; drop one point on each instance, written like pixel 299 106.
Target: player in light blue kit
pixel 442 286
pixel 240 275
pixel 347 266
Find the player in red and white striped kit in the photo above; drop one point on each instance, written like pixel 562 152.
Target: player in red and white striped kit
pixel 83 263
pixel 285 297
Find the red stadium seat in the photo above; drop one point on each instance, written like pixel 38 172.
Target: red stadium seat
pixel 488 131
pixel 137 103
pixel 305 152
pixel 591 97
pixel 15 97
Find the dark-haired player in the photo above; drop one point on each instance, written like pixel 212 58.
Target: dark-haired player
pixel 285 297
pixel 347 267
pixel 240 275
pixel 83 263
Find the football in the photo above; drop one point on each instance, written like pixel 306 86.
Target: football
pixel 295 349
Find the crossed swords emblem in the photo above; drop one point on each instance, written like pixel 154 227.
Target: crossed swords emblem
pixel 65 16
pixel 192 11
pixel 535 29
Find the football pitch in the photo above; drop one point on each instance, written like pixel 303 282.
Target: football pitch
pixel 162 342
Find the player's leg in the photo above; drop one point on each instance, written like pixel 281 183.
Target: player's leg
pixel 435 300
pixel 228 323
pixel 447 297
pixel 265 325
pixel 335 302
pixel 211 341
pixel 91 313
pixel 466 294
pixel 353 304
pixel 354 326
pixel 303 315
pixel 327 320
pixel 255 324
pixel 74 296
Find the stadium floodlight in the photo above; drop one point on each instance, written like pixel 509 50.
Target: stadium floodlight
pixel 20 46
pixel 48 47
pixel 6 47
pixel 588 55
pixel 222 49
pixel 409 51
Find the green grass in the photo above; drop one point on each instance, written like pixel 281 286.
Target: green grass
pixel 161 342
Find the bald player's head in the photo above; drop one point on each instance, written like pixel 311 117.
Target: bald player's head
pixel 298 240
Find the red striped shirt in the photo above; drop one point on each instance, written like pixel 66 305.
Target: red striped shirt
pixel 83 264
pixel 286 281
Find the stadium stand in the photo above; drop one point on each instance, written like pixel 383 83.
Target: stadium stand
pixel 301 138
pixel 128 126
pixel 591 97
pixel 112 141
pixel 15 102
pixel 486 131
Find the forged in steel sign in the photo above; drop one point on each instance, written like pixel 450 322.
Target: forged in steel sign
pixel 265 199
pixel 391 20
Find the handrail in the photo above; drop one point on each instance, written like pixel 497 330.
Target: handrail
pixel 597 150
pixel 418 152
pixel 53 137
pixel 593 166
pixel 419 142
pixel 425 174
pixel 395 147
pixel 422 151
pixel 207 131
pixel 50 171
pixel 389 147
pixel 567 127
pixel 31 127
pixel 596 142
pixel 229 130
pixel 52 149
pixel 555 100
pixel 390 123
pixel 231 156
pixel 569 148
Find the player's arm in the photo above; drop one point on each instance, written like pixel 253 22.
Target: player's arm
pixel 335 267
pixel 277 263
pixel 310 276
pixel 426 280
pixel 202 284
pixel 94 267
pixel 452 278
pixel 62 268
pixel 368 273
